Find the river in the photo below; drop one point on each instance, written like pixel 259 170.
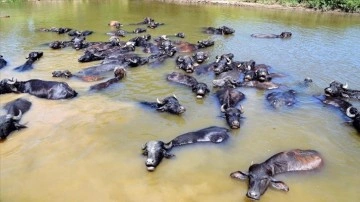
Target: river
pixel 89 148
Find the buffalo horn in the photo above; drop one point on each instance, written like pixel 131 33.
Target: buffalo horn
pixel 143 147
pixel 11 81
pixel 158 101
pixel 222 108
pixel 174 96
pixel 168 145
pixel 345 86
pixel 228 60
pixel 241 109
pixel 348 112
pixel 18 117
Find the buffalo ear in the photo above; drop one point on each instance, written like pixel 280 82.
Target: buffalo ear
pixel 280 185
pixel 239 175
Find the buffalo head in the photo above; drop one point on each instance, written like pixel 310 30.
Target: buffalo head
pixel 9 123
pixel 155 152
pixel 205 44
pixel 170 104
pixel 226 30
pixel 285 34
pixel 260 178
pixel 232 115
pixel 335 89
pixel 200 89
pixel 200 56
pixel 35 56
pixel 8 86
pixel 223 63
pixel 185 63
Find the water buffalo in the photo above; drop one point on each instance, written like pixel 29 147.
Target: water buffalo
pixel 169 104
pixel 230 82
pixel 151 23
pixel 186 63
pixel 199 88
pixel 119 73
pixel 141 41
pixel 337 89
pixel 16 106
pixel 277 99
pixel 157 150
pixel 3 62
pixel 59 44
pixel 261 176
pixel 229 98
pixel 9 123
pixel 223 30
pixel 200 56
pixel 60 30
pixel 77 33
pixel 115 24
pixel 43 89
pixel 223 63
pixel 33 56
pixel 283 35
pixel 139 30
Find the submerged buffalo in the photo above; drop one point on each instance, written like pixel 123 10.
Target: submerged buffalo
pixel 10 123
pixel 223 30
pixel 157 150
pixel 229 98
pixel 169 104
pixel 261 176
pixel 14 107
pixel 14 111
pixel 354 114
pixel 43 89
pixel 283 35
pixel 278 99
pixel 28 65
pixel 119 74
pixel 199 88
pixel 337 89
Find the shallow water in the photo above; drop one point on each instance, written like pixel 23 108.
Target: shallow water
pixel 89 148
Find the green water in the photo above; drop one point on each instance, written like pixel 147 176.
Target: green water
pixel 89 148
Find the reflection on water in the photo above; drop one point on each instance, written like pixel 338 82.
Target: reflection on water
pixel 88 148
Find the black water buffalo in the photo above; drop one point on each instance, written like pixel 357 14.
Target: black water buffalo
pixel 200 56
pixel 14 107
pixel 223 63
pixel 63 74
pixel 261 176
pixel 9 123
pixel 186 63
pixel 230 82
pixel 139 30
pixel 33 56
pixel 43 89
pixel 337 89
pixel 151 23
pixel 345 107
pixel 169 104
pixel 77 33
pixel 277 99
pixel 59 44
pixel 59 30
pixel 229 98
pixel 223 30
pixel 119 73
pixel 3 62
pixel 283 35
pixel 157 150
pixel 199 88
pixel 141 40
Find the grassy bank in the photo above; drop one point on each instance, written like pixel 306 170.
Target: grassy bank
pixel 349 6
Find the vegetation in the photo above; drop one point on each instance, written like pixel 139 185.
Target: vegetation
pixel 324 5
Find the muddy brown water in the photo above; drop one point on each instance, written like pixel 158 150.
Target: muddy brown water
pixel 89 148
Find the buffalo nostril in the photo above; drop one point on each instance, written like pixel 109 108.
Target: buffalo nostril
pixel 253 195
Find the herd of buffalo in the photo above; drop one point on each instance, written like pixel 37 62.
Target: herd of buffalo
pixel 230 76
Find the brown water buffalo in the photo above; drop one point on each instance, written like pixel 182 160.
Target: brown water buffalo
pixel 261 176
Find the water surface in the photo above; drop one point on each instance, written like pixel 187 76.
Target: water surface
pixel 89 148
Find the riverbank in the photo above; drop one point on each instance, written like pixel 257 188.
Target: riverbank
pixel 280 4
